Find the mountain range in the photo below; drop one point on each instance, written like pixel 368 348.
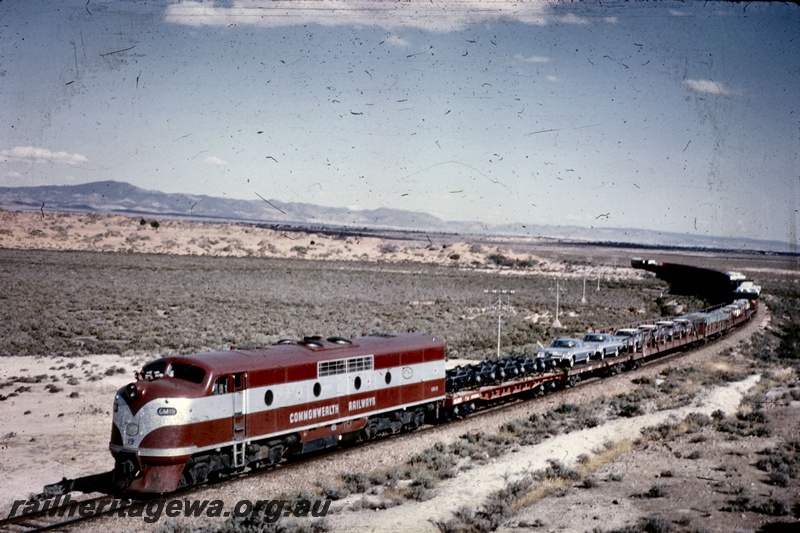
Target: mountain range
pixel 126 199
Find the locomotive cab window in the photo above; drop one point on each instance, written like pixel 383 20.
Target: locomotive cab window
pixel 220 385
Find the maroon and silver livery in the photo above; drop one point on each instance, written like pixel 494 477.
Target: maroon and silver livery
pixel 192 418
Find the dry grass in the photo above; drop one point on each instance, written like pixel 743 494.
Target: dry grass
pixel 551 485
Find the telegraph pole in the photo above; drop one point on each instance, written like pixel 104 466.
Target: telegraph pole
pixel 558 289
pixel 499 306
pixel 583 298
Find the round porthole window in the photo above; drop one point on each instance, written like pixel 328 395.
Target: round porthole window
pixel 317 389
pixel 388 377
pixel 268 398
pixel 357 382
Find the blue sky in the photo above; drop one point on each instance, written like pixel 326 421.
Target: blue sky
pixel 678 117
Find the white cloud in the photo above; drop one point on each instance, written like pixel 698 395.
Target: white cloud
pixel 31 154
pixel 552 78
pixel 216 161
pixel 444 16
pixel 573 19
pixel 532 59
pixel 397 40
pixel 611 20
pixel 707 86
pixel 678 13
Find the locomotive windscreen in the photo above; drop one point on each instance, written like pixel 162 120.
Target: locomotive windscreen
pixel 187 372
pixel 154 370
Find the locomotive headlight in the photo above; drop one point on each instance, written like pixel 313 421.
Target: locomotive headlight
pixel 130 390
pixel 132 429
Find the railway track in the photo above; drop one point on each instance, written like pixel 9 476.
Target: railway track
pixel 58 516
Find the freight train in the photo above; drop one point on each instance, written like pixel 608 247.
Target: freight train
pixel 191 419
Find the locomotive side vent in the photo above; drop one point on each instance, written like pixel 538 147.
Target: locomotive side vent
pixel 344 366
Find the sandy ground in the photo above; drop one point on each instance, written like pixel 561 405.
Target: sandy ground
pixel 115 233
pixel 58 424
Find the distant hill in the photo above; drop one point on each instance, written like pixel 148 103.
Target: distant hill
pixel 126 199
pixel 123 198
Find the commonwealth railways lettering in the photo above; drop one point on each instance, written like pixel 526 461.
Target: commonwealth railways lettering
pixel 311 414
pixel 363 403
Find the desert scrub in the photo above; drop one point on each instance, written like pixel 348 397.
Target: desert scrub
pixel 782 463
pixel 435 462
pixel 356 482
pixel 57 301
pixel 655 491
pixel 770 506
pixel 517 494
pixel 654 523
pixel 665 431
pixel 496 509
pixel 426 469
pixel 251 523
pixel 629 404
pixel 746 424
pixel 565 418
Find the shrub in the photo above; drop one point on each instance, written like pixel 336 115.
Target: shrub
pixel 387 248
pixel 778 478
pixel 557 469
pixel 356 482
pixel 657 491
pixel 772 507
pixel 698 419
pixel 501 260
pixel 629 410
pixel 655 524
